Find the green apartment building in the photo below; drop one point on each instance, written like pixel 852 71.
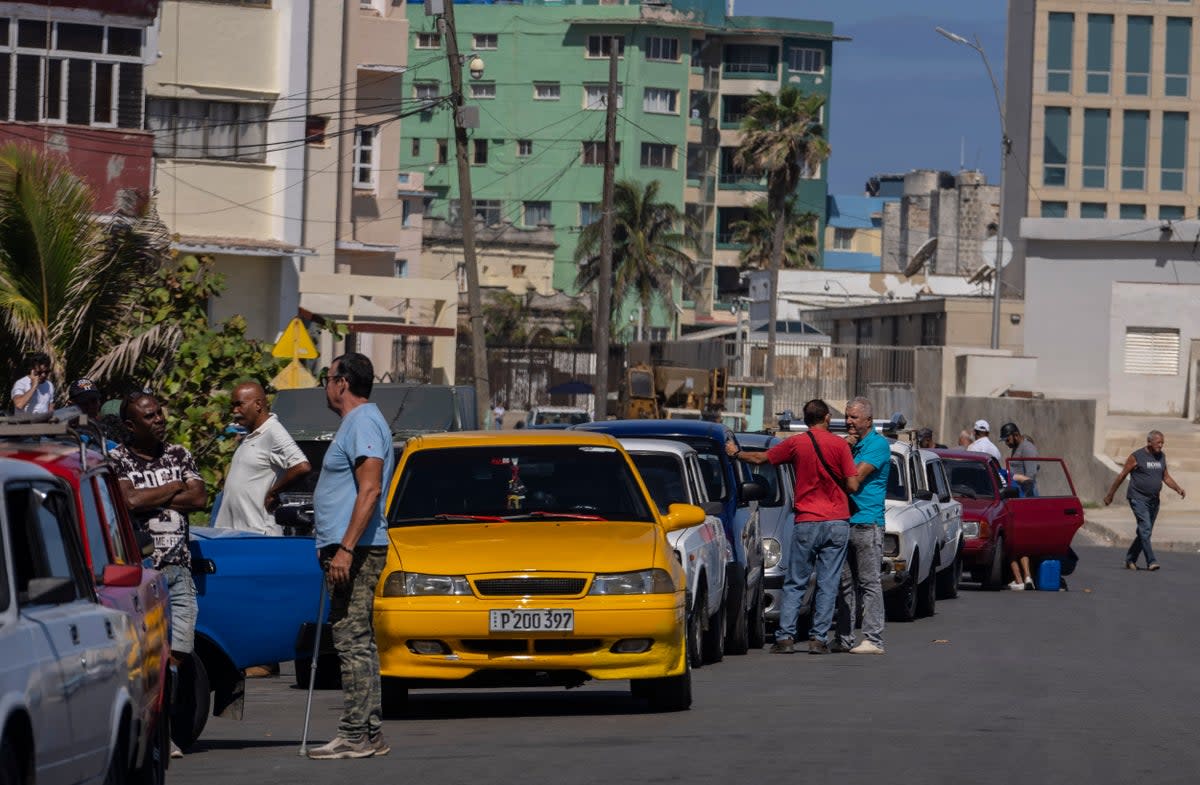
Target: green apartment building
pixel 686 71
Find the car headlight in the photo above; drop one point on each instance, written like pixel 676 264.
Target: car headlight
pixel 772 552
pixel 417 584
pixel 970 529
pixel 891 545
pixel 653 581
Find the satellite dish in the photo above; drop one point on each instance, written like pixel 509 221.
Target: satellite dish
pixel 982 275
pixel 987 249
pixel 923 255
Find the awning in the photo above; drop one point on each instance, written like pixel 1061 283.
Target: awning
pixel 355 245
pixel 238 246
pixel 363 316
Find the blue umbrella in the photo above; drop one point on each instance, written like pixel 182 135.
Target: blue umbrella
pixel 573 387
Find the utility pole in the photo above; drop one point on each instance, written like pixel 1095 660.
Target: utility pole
pixel 466 215
pixel 604 281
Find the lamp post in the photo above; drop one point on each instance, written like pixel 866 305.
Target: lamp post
pixel 1005 149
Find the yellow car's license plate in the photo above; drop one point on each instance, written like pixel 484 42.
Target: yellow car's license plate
pixel 532 620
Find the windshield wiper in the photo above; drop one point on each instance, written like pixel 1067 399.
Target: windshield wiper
pixel 450 516
pixel 571 516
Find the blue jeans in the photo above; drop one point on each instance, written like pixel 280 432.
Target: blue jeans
pixel 860 578
pixel 182 593
pixel 1145 511
pixel 819 545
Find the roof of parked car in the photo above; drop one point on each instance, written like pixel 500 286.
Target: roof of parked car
pixel 760 441
pixel 655 445
pixel 657 428
pixel 515 438
pixel 11 469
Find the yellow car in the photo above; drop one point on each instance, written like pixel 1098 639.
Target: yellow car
pixel 530 559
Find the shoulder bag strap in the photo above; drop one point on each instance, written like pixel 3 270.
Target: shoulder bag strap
pixel 839 481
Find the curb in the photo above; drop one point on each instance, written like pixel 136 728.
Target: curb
pixel 1113 539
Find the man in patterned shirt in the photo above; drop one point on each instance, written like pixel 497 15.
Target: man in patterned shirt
pixel 161 486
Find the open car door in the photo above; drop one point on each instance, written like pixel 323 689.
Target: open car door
pixel 1043 525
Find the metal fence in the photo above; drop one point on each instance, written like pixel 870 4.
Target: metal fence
pixel 412 361
pixel 522 376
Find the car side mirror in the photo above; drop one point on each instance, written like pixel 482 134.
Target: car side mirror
pixel 681 516
pixel 923 495
pixel 145 541
pixel 751 491
pixel 124 575
pixel 1011 492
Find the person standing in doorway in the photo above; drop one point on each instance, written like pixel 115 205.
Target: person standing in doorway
pixel 1147 472
pixel 352 537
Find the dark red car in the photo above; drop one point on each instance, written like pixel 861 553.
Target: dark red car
pixel 998 523
pixel 114 556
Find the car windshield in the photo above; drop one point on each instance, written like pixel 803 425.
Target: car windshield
pixel 507 482
pixel 896 490
pixel 561 418
pixel 664 478
pixel 971 479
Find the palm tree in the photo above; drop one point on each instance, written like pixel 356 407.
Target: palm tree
pixel 782 136
pixel 505 319
pixel 650 244
pixel 756 232
pixel 68 281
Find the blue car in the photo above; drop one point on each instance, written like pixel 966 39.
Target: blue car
pixel 735 496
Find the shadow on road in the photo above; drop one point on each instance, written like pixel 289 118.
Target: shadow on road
pixel 217 745
pixel 489 704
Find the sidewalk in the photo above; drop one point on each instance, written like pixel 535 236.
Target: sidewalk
pixel 1175 530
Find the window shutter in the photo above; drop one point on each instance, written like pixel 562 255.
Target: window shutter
pixel 1152 351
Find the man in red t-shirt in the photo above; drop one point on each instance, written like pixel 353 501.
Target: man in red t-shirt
pixel 824 473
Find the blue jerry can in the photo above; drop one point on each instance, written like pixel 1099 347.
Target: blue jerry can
pixel 1049 575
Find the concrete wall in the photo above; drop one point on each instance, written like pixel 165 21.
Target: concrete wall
pixel 1061 428
pixel 992 375
pixel 1151 305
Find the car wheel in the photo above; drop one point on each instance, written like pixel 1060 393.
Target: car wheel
pixel 329 672
pixel 695 631
pixel 758 623
pixel 737 637
pixel 927 592
pixel 153 770
pixel 395 696
pixel 902 604
pixel 672 693
pixel 118 762
pixel 189 714
pixel 713 647
pixel 949 579
pixel 12 768
pixel 994 579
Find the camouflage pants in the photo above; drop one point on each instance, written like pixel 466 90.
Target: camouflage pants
pixel 350 613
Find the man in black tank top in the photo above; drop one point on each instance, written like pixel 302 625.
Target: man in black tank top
pixel 1147 472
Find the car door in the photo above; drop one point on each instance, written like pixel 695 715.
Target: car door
pixel 1044 525
pixel 949 512
pixel 928 532
pixel 716 550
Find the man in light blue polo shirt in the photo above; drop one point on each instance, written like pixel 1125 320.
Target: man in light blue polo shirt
pixel 352 537
pixel 872 457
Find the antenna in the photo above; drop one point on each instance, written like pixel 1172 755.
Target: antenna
pixel 962 154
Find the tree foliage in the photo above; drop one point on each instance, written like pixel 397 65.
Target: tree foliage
pixel 757 231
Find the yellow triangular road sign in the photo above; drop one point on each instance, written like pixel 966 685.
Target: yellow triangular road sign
pixel 294 377
pixel 295 343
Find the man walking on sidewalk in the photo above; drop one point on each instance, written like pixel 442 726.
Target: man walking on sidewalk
pixel 1147 472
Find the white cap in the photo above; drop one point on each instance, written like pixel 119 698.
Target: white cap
pixel 982 425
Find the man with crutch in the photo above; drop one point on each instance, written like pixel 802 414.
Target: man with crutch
pixel 351 532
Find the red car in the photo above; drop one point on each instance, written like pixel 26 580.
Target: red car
pixel 114 556
pixel 998 523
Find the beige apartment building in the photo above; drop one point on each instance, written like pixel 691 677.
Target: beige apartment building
pixel 277 137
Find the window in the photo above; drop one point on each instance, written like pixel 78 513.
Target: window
pixel 406 206
pixel 429 40
pixel 443 151
pixel 487 212
pixel 933 329
pixel 658 156
pixel 1174 150
pixel 97 546
pixel 1054 146
pixel 483 89
pixel 697 161
pixel 113 521
pixel 546 91
pixel 843 239
pixel 698 104
pixel 1054 209
pixel 1152 351
pixel 1170 212
pixel 733 109
pixel 426 90
pixel 805 61
pixel 595 96
pixel 400 268
pixel 1137 54
pixel 601 45
pixel 1061 32
pixel 524 148
pixel 662 49
pixel 1133 150
pixel 314 129
pixel 589 213
pixel 518 271
pixel 479 153
pixel 1177 63
pixel 42 539
pixel 593 153
pixel 1133 212
pixel 1099 52
pixel 365 137
pixel 184 128
pixel 484 41
pixel 1093 210
pixel 750 59
pixel 659 100
pixel 697 52
pixel 416 147
pixel 1095 147
pixel 537 213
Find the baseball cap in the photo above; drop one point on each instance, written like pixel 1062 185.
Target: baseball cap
pixel 82 388
pixel 982 425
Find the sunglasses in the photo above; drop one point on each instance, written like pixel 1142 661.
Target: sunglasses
pixel 325 378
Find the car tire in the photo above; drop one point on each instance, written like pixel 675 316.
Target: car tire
pixel 949 578
pixel 12 768
pixel 695 631
pixel 118 761
pixel 901 605
pixel 737 637
pixel 153 770
pixel 757 623
pixel 329 672
pixel 927 592
pixel 671 693
pixel 713 648
pixel 395 696
pixel 189 713
pixel 994 577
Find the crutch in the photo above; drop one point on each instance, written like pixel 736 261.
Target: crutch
pixel 312 672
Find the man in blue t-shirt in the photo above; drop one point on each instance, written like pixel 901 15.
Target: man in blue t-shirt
pixel 872 457
pixel 352 539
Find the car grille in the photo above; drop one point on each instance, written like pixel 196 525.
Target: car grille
pixel 539 645
pixel 529 587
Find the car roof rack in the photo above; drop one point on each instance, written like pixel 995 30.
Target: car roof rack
pixel 890 428
pixel 69 422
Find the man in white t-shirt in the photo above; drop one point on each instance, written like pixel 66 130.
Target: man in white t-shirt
pixel 34 393
pixel 982 443
pixel 266 461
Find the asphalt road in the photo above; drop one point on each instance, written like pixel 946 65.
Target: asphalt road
pixel 1094 685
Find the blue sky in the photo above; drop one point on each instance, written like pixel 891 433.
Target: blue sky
pixel 903 96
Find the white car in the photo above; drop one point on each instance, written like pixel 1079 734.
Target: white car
pixel 556 416
pixel 922 542
pixel 66 662
pixel 671 471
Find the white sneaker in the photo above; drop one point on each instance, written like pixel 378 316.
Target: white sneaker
pixel 1016 586
pixel 175 751
pixel 866 647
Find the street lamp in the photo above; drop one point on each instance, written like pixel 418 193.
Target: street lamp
pixel 1005 149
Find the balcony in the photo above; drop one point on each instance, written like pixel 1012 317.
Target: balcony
pixel 742 181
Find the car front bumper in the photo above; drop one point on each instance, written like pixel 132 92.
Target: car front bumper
pixel 893 573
